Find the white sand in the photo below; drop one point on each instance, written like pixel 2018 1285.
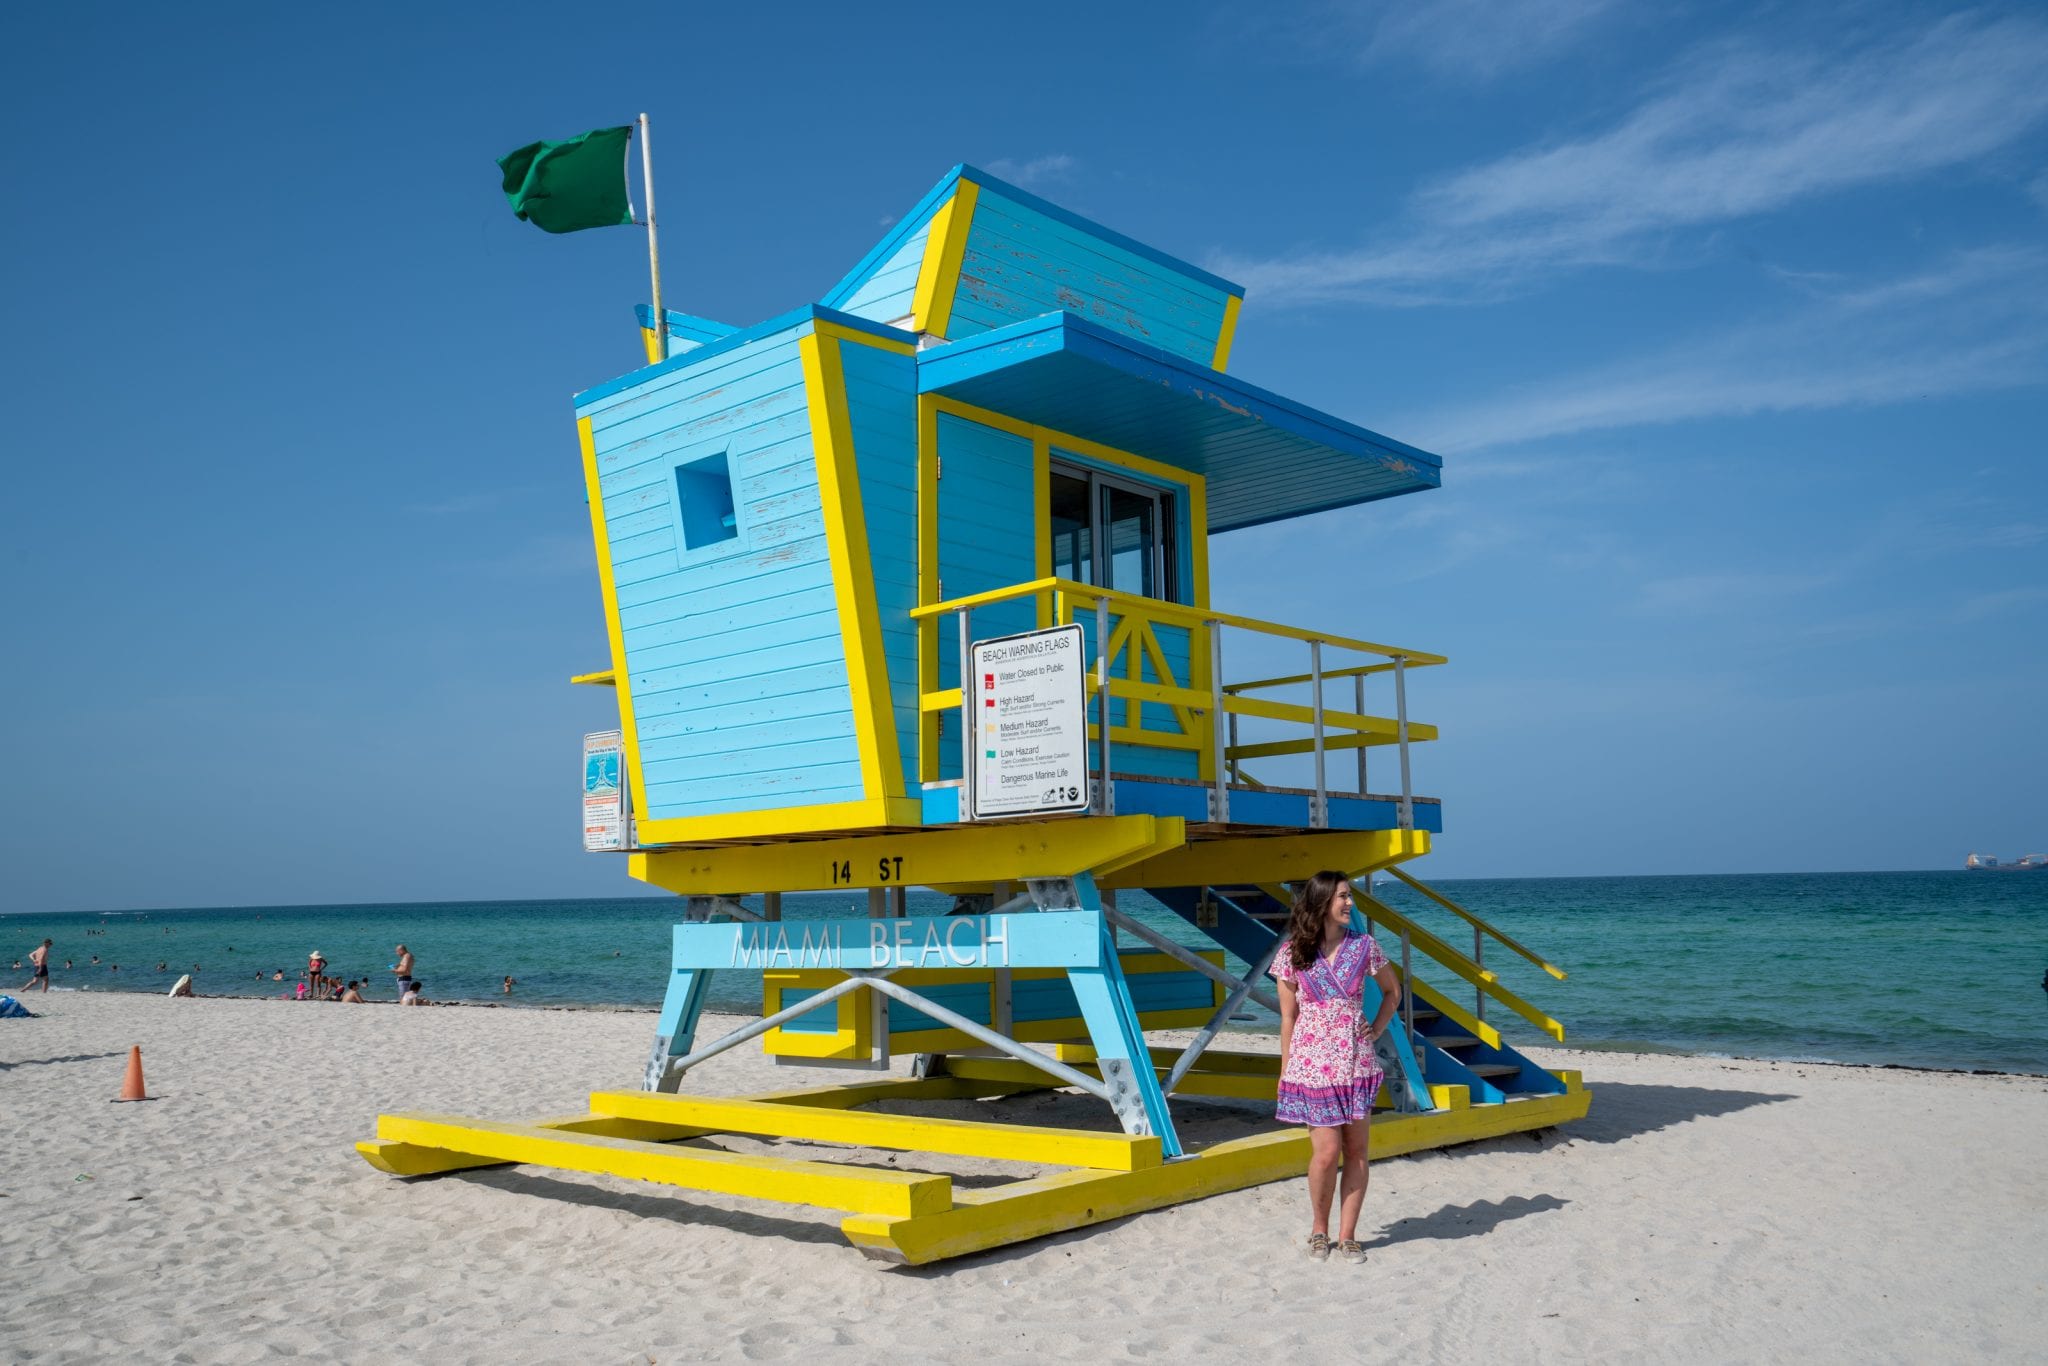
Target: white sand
pixel 1706 1210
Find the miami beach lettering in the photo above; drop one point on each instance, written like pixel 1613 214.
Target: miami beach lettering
pixel 960 941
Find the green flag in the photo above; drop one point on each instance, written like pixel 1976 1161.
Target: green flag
pixel 572 185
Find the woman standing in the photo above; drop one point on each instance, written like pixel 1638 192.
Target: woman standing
pixel 1328 1073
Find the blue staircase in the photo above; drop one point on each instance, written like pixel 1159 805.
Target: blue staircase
pixel 1451 1046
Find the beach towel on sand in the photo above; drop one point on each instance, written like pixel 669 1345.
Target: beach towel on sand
pixel 11 1009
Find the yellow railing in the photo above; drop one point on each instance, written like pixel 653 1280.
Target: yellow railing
pixel 1135 687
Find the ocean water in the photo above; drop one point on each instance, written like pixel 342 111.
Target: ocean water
pixel 1937 969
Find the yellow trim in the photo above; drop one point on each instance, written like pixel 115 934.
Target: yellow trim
pixel 1041 498
pixel 903 347
pixel 927 583
pixel 976 855
pixel 1270 858
pixel 938 274
pixel 904 1133
pixel 832 1185
pixel 1043 439
pixel 853 578
pixel 1227 333
pixel 603 678
pixel 652 343
pixel 600 534
pixel 1180 614
pixel 783 820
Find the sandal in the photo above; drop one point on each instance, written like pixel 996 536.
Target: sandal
pixel 1352 1251
pixel 1319 1247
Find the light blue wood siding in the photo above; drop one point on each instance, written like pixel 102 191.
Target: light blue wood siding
pixel 733 652
pixel 881 395
pixel 1021 263
pixel 988 527
pixel 889 293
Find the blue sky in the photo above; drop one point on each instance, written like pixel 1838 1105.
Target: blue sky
pixel 1730 322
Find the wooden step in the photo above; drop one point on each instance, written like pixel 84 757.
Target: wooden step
pixel 1489 1070
pixel 1445 1041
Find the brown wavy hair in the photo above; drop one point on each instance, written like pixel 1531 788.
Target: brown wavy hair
pixel 1310 911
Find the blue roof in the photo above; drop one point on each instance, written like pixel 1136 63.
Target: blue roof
pixel 1265 457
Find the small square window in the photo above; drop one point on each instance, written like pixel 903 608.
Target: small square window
pixel 704 510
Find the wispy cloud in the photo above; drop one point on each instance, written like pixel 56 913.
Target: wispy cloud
pixel 1473 38
pixel 1733 130
pixel 1034 173
pixel 1976 322
pixel 1998 603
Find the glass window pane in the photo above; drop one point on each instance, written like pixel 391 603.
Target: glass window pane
pixel 1073 531
pixel 1133 541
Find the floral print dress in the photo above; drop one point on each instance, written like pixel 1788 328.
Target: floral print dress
pixel 1331 1076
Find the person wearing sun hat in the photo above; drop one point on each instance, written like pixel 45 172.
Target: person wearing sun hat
pixel 316 972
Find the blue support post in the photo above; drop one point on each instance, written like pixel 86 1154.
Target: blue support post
pixel 1405 1085
pixel 675 1033
pixel 1113 1030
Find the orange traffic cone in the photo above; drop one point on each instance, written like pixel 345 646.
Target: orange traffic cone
pixel 131 1085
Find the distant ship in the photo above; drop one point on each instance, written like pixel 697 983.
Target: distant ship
pixel 2027 863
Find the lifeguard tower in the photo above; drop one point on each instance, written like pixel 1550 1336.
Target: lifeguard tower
pixel 910 587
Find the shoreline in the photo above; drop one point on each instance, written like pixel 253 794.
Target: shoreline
pixel 1584 1050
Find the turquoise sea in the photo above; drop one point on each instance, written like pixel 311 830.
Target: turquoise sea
pixel 1938 969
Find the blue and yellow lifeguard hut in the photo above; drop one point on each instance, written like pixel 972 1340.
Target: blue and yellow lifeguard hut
pixel 1007 423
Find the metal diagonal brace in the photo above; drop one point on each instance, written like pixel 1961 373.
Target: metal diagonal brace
pixel 1201 1041
pixel 1066 1075
pixel 1192 959
pixel 753 1029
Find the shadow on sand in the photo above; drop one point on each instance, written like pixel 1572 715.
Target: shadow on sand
pixel 69 1057
pixel 663 1204
pixel 1466 1221
pixel 1623 1110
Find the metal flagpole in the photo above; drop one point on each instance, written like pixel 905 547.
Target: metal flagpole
pixel 653 248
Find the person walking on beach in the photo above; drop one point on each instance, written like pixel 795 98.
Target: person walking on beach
pixel 1329 1075
pixel 39 966
pixel 403 969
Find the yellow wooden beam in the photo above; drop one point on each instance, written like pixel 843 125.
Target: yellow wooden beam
pixel 408 1159
pixel 994 1217
pixel 1007 852
pixel 831 1185
pixel 1216 1085
pixel 907 1133
pixel 1270 858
